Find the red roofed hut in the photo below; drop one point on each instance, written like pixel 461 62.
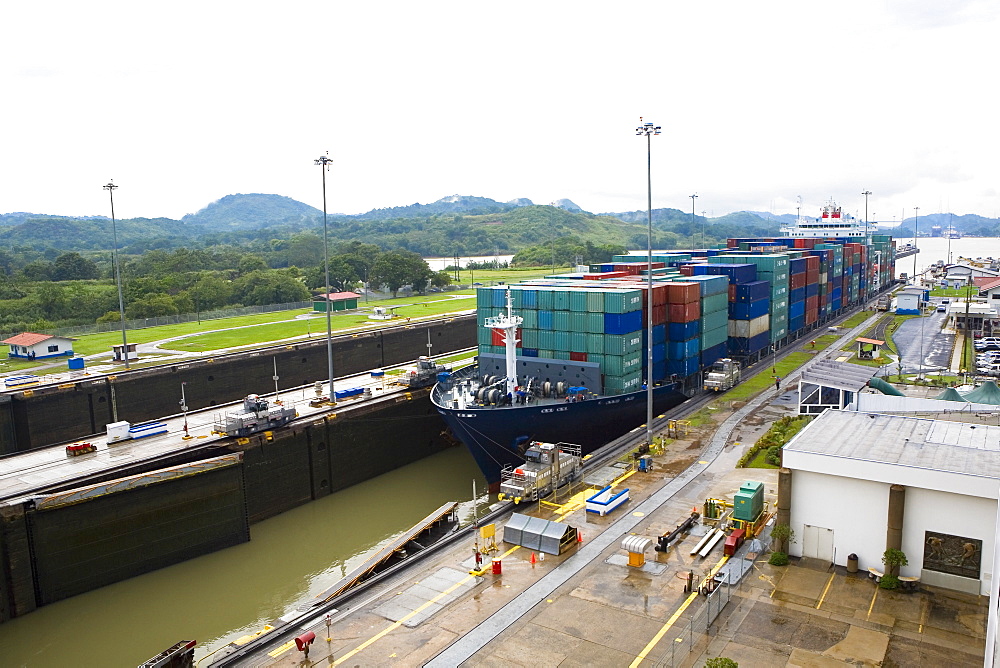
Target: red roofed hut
pixel 30 346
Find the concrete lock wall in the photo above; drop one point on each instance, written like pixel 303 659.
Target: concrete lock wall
pixel 49 415
pixel 309 461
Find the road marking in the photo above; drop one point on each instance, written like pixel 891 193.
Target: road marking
pixel 281 649
pixel 870 607
pixel 822 596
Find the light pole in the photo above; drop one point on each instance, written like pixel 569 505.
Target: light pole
pixel 693 197
pixel 110 187
pixel 324 162
pixel 866 194
pixel 916 222
pixel 648 130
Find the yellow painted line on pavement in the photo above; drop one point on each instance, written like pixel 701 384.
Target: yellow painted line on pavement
pixel 275 653
pixel 872 605
pixel 395 625
pixel 822 596
pixel 674 617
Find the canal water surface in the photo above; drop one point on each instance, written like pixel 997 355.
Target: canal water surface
pixel 222 596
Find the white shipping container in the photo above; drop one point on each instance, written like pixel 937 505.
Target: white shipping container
pixel 749 328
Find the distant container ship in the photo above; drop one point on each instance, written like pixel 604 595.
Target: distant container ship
pixel 565 358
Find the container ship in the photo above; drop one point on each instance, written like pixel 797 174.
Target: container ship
pixel 565 358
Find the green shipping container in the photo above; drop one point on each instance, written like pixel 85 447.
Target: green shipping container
pixel 578 342
pixel 714 337
pixel 622 301
pixel 562 341
pixel 622 344
pixel 595 322
pixel 714 320
pixel 578 300
pixel 529 338
pixel 712 303
pixel 595 301
pixel 621 365
pixel 595 344
pixel 621 384
pixel 561 321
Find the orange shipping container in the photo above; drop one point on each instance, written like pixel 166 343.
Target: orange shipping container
pixel 683 293
pixel 684 312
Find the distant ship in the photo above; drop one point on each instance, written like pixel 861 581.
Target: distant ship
pixel 832 222
pixel 952 233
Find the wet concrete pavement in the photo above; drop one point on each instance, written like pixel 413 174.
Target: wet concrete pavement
pixel 934 353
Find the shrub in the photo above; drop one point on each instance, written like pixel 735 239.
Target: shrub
pixel 888 581
pixel 778 559
pixel 721 662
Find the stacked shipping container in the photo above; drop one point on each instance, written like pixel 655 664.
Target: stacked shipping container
pixel 737 301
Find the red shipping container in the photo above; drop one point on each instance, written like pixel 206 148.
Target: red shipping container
pixel 812 263
pixel 496 337
pixel 683 293
pixel 606 275
pixel 812 303
pixel 660 294
pixel 684 312
pixel 659 314
pixel 732 292
pixel 794 281
pixel 578 357
pixel 687 270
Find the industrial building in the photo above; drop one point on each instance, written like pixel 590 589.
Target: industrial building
pixel 927 487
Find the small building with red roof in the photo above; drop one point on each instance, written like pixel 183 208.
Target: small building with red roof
pixel 336 301
pixel 30 346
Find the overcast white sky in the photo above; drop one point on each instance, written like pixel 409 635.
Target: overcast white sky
pixel 182 103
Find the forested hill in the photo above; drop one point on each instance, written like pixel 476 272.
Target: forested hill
pixel 452 225
pixel 234 212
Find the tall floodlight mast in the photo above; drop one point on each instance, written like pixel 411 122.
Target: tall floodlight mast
pixel 648 130
pixel 324 162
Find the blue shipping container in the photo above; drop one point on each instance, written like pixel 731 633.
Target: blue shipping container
pixel 795 323
pixel 749 310
pixel 659 352
pixel 677 350
pixel 682 331
pixel 797 265
pixel 684 367
pixel 812 289
pixel 740 346
pixel 710 355
pixel 752 291
pixel 797 295
pixel 529 352
pixel 620 323
pixel 659 333
pixel 545 320
pixel 737 273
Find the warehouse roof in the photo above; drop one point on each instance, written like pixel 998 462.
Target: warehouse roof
pixel 900 449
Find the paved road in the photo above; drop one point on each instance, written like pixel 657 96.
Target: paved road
pixel 923 345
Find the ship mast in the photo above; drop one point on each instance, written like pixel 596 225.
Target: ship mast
pixel 508 324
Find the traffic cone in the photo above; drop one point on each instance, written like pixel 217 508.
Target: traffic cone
pixel 532 558
pixel 579 536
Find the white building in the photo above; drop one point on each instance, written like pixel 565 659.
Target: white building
pixel 861 481
pixel 37 346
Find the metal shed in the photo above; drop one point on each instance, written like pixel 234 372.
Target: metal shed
pixel 534 533
pixel 830 384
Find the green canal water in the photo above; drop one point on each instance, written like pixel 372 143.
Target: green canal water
pixel 219 597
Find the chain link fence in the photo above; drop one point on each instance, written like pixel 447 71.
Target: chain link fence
pixel 684 637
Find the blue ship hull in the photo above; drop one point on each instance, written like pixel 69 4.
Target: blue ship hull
pixel 497 435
